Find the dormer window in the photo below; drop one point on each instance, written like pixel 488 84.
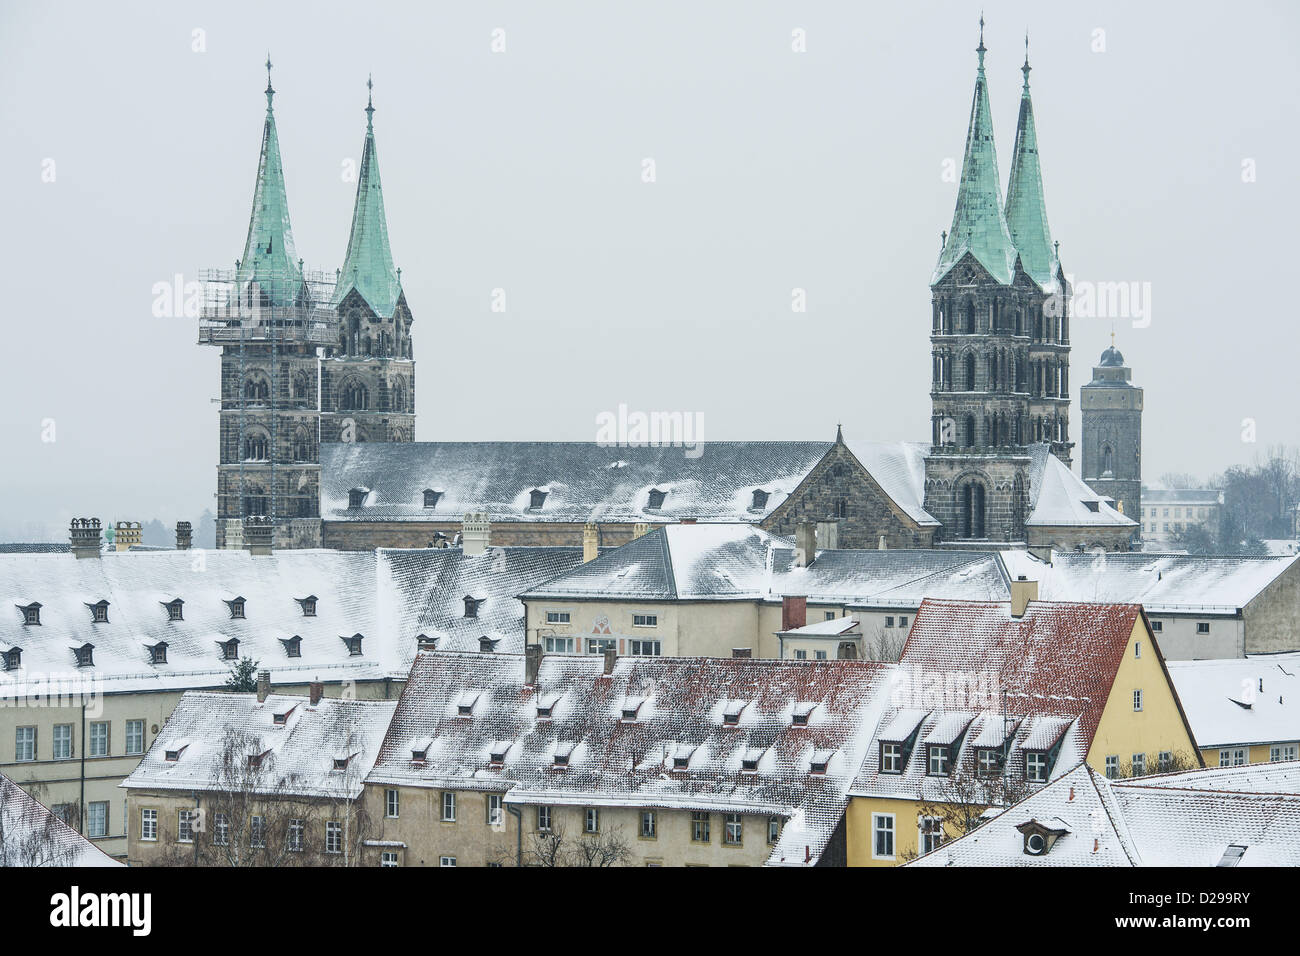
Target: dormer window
pixel 158 653
pixel 292 646
pixel 497 753
pixel 1039 838
pixel 357 498
pixel 749 760
pixel 891 758
pixel 173 754
pixel 85 654
pixel 99 612
pixel 465 704
pixel 939 760
pixel 821 759
pixel 308 605
pixel 546 706
pixel 236 606
pixel 487 645
pixel 656 499
pixel 175 609
pixel 431 498
pixel 1036 766
pixel 988 762
pixel 472 605
pixel 681 757
pixel 255 760
pixel 420 749
pixel 759 501
pixel 536 498
pixel 13 658
pixel 563 752
pixel 341 763
pixel 1092 506
pixel 802 713
pixel 631 706
pixel 731 713
pixel 423 642
pixel 229 649
pixel 31 613
pixel 353 645
pixel 282 717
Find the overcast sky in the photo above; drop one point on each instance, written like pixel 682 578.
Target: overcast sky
pixel 522 171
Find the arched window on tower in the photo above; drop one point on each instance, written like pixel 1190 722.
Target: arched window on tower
pixel 971 514
pixel 1107 460
pixel 257 387
pixel 970 431
pixel 257 446
pixel 969 326
pixel 970 372
pixel 355 396
pixel 302 444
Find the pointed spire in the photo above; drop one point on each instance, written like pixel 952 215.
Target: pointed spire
pixel 979 225
pixel 270 258
pixel 368 266
pixel 1026 211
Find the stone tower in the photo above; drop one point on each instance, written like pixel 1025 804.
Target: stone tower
pixel 270 318
pixel 1112 433
pixel 368 377
pixel 999 336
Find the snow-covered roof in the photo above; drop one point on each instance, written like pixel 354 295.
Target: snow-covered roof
pixel 1142 821
pixel 1059 497
pixel 33 836
pixel 1240 701
pixel 299 755
pixel 835 627
pixel 634 762
pixel 899 469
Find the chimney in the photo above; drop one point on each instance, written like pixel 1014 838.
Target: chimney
pixel 1022 592
pixel 126 534
pixel 611 655
pixel 315 691
pixel 259 533
pixel 590 542
pixel 263 686
pixel 882 544
pixel 85 534
pixel 805 544
pixel 828 535
pixel 643 527
pixel 475 533
pixel 234 540
pixel 794 612
pixel 423 642
pixel 184 535
pixel 532 664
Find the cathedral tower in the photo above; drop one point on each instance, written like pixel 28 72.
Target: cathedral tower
pixel 270 317
pixel 1112 433
pixel 368 378
pixel 999 336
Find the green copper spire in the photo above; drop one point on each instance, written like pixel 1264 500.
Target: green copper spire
pixel 269 258
pixel 368 267
pixel 1026 211
pixel 978 224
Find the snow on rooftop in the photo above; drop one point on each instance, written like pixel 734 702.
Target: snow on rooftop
pixel 1241 701
pixel 34 836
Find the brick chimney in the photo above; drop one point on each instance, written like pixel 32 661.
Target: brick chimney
pixel 611 655
pixel 263 686
pixel 315 691
pixel 532 664
pixel 1022 592
pixel 805 544
pixel 126 533
pixel 475 533
pixel 184 535
pixel 590 542
pixel 85 535
pixel 794 612
pixel 259 533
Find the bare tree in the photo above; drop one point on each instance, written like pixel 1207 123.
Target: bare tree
pixel 552 848
pixel 963 800
pixel 882 643
pixel 31 835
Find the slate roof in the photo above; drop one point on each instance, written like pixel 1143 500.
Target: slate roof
pixel 1138 822
pixel 299 755
pixel 614 762
pixel 33 836
pixel 1240 701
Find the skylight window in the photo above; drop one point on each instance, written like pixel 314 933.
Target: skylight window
pixel 1232 855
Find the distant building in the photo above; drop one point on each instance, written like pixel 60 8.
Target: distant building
pixel 1169 512
pixel 1112 434
pixel 1242 711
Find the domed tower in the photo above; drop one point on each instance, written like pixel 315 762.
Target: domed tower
pixel 1112 433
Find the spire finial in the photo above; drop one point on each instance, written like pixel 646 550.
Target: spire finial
pixel 1025 69
pixel 270 91
pixel 370 102
pixel 980 49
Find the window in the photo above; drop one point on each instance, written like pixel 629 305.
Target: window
pixel 448 807
pixel 388 858
pixel 158 653
pixel 938 762
pixel 929 833
pixel 1137 648
pixel 13 658
pixel 353 644
pixel 648 825
pixel 544 819
pixel 1139 764
pixel 25 744
pixel 1035 766
pixel 1236 757
pixel 175 610
pixel 820 761
pixel 988 762
pixel 645 620
pixel 97 818
pixel 236 608
pixel 229 649
pixel 1281 752
pixel 292 646
pixel 700 827
pixel 1165 760
pixel 134 737
pixel 294 838
pixel 902 620
pixel 1202 627
pixel 431 498
pixel 591 823
pixel 85 655
pixel 644 648
pixel 536 498
pixel 801 715
pixel 496 814
pixel 819 655
pixel 601 645
pixel 1112 766
pixel 471 606
pixel 882 844
pixel 99 612
pixel 1137 700
pixel 149 825
pixel 185 825
pixel 31 614
pixel 391 803
pixel 733 831
pixel 559 645
pixel 333 836
pixel 557 617
pixel 656 499
pixel 1157 627
pixel 221 830
pixel 62 741
pixel 98 739
pixel 889 620
pixel 356 498
pixel 257 833
pixel 308 605
pixel 773 829
pixel 801 655
pixel 891 758
pixel 446 861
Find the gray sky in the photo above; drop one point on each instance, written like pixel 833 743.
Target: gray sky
pixel 522 170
